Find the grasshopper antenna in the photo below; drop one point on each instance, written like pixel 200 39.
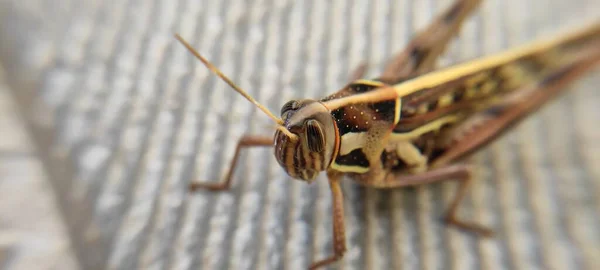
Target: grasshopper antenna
pixel 216 71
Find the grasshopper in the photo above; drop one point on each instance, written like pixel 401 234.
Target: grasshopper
pixel 415 124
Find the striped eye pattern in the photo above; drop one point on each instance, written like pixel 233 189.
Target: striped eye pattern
pixel 315 139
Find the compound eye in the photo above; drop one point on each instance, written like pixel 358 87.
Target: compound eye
pixel 315 139
pixel 288 106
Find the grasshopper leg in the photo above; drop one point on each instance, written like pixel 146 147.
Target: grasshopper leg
pixel 244 142
pixel 359 72
pixel 422 52
pixel 457 172
pixel 339 228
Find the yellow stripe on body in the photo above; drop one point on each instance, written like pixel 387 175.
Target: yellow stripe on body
pixel 357 140
pixel 398 110
pixel 436 78
pixel 349 168
pixel 439 77
pixel 368 82
pixel 417 132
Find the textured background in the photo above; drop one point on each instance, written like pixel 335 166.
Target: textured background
pixel 123 118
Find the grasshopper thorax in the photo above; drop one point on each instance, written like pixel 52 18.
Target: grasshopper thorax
pixel 315 144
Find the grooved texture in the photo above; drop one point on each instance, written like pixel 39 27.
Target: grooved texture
pixel 124 118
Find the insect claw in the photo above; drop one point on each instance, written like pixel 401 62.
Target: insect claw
pixel 471 227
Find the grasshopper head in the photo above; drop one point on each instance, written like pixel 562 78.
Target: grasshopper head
pixel 306 137
pixel 312 148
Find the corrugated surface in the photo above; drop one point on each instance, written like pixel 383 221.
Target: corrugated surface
pixel 32 231
pixel 124 118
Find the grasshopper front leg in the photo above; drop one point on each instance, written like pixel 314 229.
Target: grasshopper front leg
pixel 457 172
pixel 244 142
pixel 339 228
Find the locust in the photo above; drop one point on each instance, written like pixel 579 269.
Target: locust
pixel 416 124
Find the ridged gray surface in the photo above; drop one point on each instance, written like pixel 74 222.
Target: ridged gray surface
pixel 32 231
pixel 124 118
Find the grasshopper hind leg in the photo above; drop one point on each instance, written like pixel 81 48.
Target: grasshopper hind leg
pixel 421 53
pixel 465 179
pixel 458 172
pixel 358 72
